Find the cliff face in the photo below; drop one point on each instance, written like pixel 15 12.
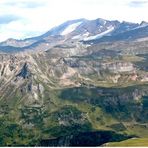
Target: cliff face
pixel 117 67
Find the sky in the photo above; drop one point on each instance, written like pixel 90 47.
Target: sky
pixel 21 19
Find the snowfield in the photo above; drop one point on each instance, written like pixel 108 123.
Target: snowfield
pixel 110 29
pixel 71 28
pixel 81 36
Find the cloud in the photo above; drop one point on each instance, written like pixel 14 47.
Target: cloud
pixel 18 29
pixel 32 4
pixel 5 19
pixel 137 3
pixel 24 3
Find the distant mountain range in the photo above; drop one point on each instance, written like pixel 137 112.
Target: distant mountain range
pixel 80 30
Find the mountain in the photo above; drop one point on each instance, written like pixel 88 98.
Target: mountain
pixel 65 88
pixel 87 31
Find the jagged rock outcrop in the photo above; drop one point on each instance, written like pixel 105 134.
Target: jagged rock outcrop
pixel 24 73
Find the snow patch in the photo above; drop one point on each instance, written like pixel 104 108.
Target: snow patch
pixel 77 36
pixel 71 28
pixel 104 22
pixel 111 28
pixel 141 26
pixel 81 36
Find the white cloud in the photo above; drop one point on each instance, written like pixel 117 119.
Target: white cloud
pixel 138 3
pixel 36 17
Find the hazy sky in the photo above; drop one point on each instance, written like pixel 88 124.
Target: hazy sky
pixel 26 18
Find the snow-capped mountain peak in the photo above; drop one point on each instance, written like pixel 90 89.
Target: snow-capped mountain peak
pixel 83 30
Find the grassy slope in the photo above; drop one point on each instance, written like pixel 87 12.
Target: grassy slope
pixel 130 142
